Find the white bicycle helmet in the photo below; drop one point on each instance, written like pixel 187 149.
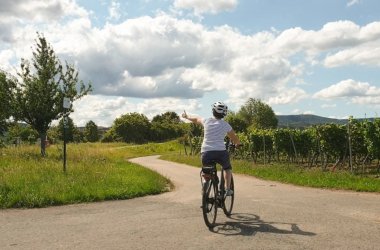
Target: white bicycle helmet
pixel 220 108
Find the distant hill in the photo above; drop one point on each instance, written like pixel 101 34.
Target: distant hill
pixel 300 121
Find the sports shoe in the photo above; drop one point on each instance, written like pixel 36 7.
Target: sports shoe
pixel 229 192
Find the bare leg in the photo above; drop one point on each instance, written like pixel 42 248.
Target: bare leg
pixel 227 177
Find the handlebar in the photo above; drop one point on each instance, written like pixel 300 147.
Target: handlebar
pixel 233 146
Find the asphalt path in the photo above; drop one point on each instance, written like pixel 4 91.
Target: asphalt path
pixel 266 215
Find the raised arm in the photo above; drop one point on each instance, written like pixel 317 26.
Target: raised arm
pixel 196 120
pixel 234 138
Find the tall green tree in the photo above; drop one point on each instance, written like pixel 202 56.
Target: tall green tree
pixel 167 117
pixel 44 85
pixel 69 131
pixel 236 121
pixel 7 87
pixel 91 132
pixel 166 126
pixel 132 127
pixel 258 114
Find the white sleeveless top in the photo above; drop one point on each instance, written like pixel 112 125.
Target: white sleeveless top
pixel 215 130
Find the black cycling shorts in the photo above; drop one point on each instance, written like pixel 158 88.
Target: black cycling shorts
pixel 220 157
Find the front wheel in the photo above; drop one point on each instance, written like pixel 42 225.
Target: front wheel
pixel 209 202
pixel 228 202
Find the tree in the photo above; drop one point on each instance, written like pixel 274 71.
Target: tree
pixel 132 127
pixel 70 129
pixel 22 131
pixel 167 117
pixel 7 86
pixel 43 86
pixel 91 132
pixel 109 136
pixel 258 114
pixel 166 126
pixel 237 122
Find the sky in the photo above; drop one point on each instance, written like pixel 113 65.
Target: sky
pixel 318 57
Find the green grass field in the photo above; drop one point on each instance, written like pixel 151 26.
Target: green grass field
pixel 293 174
pixel 100 171
pixel 95 172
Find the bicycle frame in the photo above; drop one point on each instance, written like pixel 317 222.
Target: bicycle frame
pixel 214 176
pixel 213 194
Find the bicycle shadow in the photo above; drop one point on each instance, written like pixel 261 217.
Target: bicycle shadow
pixel 249 225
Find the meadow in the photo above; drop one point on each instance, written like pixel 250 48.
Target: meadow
pixel 95 172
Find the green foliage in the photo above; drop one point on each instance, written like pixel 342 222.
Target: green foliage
pixel 7 87
pixel 166 127
pixel 44 84
pixel 258 114
pixel 236 121
pixel 25 133
pixel 261 143
pixel 359 147
pixel 167 117
pixel 333 140
pixel 53 134
pixel 132 127
pixel 91 132
pixel 372 138
pixel 72 132
pixel 110 136
pixel 136 128
pixel 282 143
pixel 323 145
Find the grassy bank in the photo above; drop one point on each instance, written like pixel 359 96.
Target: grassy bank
pixel 95 172
pixel 294 174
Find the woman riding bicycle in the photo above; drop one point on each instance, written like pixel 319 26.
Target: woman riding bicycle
pixel 213 148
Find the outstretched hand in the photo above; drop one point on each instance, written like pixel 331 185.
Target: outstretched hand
pixel 184 115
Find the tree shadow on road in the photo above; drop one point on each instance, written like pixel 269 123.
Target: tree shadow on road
pixel 250 224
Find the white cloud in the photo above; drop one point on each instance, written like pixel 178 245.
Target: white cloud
pixel 368 54
pixel 327 106
pixel 366 100
pixel 201 6
pixel 300 112
pixel 5 58
pixel 334 36
pixel 287 96
pixel 164 56
pixel 358 92
pixel 114 11
pixel 104 109
pixel 39 10
pixel 352 2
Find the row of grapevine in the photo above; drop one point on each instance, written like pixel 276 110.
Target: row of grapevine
pixel 355 145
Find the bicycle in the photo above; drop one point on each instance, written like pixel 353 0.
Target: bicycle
pixel 213 195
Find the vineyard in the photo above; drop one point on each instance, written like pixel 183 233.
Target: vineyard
pixel 354 146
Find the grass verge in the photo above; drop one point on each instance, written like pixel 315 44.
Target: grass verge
pixel 95 172
pixel 293 174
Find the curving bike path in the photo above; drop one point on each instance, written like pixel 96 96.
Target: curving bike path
pixel 266 215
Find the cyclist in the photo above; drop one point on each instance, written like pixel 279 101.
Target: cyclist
pixel 213 148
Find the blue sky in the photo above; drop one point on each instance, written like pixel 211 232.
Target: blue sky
pixel 317 57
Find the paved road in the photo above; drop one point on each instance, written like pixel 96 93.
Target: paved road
pixel 267 215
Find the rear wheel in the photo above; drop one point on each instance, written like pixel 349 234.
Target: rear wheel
pixel 209 203
pixel 228 202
